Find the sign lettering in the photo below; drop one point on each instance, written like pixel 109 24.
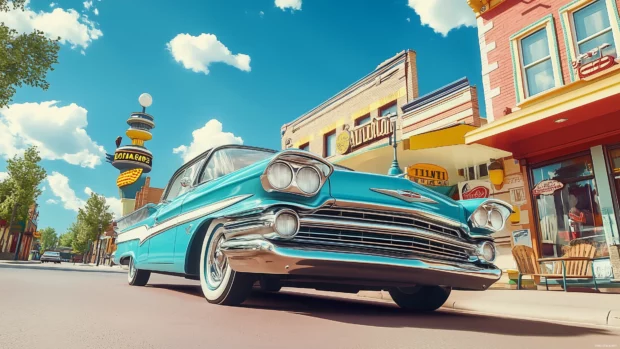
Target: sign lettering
pixel 547 187
pixel 428 174
pixel 125 156
pixel 377 128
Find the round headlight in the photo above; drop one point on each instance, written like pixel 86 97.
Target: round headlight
pixel 280 175
pixel 480 217
pixel 286 224
pixel 496 220
pixel 486 251
pixel 308 180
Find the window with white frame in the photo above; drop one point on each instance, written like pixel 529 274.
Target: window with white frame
pixel 593 30
pixel 480 171
pixel 536 63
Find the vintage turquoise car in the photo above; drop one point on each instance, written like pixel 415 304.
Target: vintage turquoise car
pixel 236 217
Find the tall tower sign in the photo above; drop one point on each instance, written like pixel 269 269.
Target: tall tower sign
pixel 134 160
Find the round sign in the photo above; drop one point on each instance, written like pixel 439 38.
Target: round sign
pixel 343 142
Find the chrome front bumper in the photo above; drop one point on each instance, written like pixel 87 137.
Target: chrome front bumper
pixel 252 246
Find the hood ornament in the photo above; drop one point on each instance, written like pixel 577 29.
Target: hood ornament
pixel 405 195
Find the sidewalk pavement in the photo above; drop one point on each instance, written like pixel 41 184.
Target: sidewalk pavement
pixel 65 265
pixel 579 307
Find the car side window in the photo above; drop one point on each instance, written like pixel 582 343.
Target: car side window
pixel 179 188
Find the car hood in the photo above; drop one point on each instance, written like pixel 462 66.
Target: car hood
pixel 376 189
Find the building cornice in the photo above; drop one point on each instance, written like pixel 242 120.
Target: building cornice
pixel 483 6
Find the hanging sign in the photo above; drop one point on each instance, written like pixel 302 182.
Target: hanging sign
pixel 547 187
pixel 343 142
pixel 36 234
pixel 591 68
pixel 474 190
pixel 428 174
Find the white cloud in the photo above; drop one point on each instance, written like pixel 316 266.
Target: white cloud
pixel 52 4
pixel 58 132
pixel 292 4
pixel 408 19
pixel 3 176
pixel 444 15
pixel 87 4
pixel 198 52
pixel 261 13
pixel 59 184
pixel 206 137
pixel 51 202
pixel 44 188
pixel 96 12
pixel 76 30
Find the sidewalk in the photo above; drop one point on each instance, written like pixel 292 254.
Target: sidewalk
pixel 65 265
pixel 585 308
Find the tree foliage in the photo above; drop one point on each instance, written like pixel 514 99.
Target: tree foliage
pixel 25 58
pixel 22 184
pixel 92 220
pixel 66 239
pixel 49 239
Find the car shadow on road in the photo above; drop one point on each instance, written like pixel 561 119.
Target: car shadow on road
pixel 83 269
pixel 383 314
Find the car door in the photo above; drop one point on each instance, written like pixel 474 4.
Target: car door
pixel 163 232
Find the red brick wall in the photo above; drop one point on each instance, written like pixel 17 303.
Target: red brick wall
pixel 509 18
pixel 148 194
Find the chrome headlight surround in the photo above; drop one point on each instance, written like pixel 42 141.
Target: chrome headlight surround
pixel 298 161
pixel 279 218
pixel 487 252
pixel 491 215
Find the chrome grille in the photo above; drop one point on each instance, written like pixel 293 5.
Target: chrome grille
pixel 426 239
pixel 388 218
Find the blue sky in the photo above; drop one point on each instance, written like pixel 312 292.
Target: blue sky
pixel 259 64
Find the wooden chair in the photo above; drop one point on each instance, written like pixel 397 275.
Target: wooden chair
pixel 574 264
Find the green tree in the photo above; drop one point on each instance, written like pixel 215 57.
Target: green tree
pixel 49 239
pixel 26 57
pixel 80 241
pixel 21 189
pixel 66 239
pixel 95 218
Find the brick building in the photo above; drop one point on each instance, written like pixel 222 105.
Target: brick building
pixel 552 90
pixel 352 129
pixel 148 194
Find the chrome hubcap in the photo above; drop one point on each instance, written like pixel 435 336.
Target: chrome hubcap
pixel 218 263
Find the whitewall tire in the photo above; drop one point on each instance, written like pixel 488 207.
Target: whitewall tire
pixel 135 276
pixel 220 284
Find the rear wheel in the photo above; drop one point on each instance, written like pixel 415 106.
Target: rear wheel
pixel 220 284
pixel 421 298
pixel 135 276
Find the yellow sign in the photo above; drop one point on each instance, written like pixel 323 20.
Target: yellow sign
pixel 428 174
pixel 128 177
pixel 130 156
pixel 36 234
pixel 343 142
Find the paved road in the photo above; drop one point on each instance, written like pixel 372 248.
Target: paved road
pixel 64 307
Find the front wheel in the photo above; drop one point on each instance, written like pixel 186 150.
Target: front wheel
pixel 135 276
pixel 220 284
pixel 421 298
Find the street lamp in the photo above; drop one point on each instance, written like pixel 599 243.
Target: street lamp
pixel 145 101
pixel 394 169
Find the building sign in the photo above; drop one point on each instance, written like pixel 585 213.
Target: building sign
pixel 428 174
pixel 593 67
pixel 602 269
pixel 343 142
pixel 133 157
pixel 372 131
pixel 517 196
pixel 522 237
pixel 36 234
pixel 547 187
pixel 512 181
pixel 474 190
pixel 128 177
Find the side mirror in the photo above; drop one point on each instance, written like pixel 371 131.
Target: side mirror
pixel 186 182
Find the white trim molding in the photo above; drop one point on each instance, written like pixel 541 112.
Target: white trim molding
pixel 487 68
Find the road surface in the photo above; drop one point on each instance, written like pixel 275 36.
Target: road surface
pixel 58 306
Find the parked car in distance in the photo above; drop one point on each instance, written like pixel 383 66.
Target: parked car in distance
pixel 51 256
pixel 236 215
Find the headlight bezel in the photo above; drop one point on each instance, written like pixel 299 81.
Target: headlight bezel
pixel 297 161
pixel 491 206
pixel 277 163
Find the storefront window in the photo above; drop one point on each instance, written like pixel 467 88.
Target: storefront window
pixel 568 209
pixel 388 109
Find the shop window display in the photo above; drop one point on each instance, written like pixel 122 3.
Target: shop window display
pixel 569 213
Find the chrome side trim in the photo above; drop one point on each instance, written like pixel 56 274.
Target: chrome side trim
pixel 344 204
pixel 144 233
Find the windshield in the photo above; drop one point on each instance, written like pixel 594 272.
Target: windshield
pixel 228 160
pixel 50 253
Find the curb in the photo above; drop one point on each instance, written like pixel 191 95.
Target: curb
pixel 599 317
